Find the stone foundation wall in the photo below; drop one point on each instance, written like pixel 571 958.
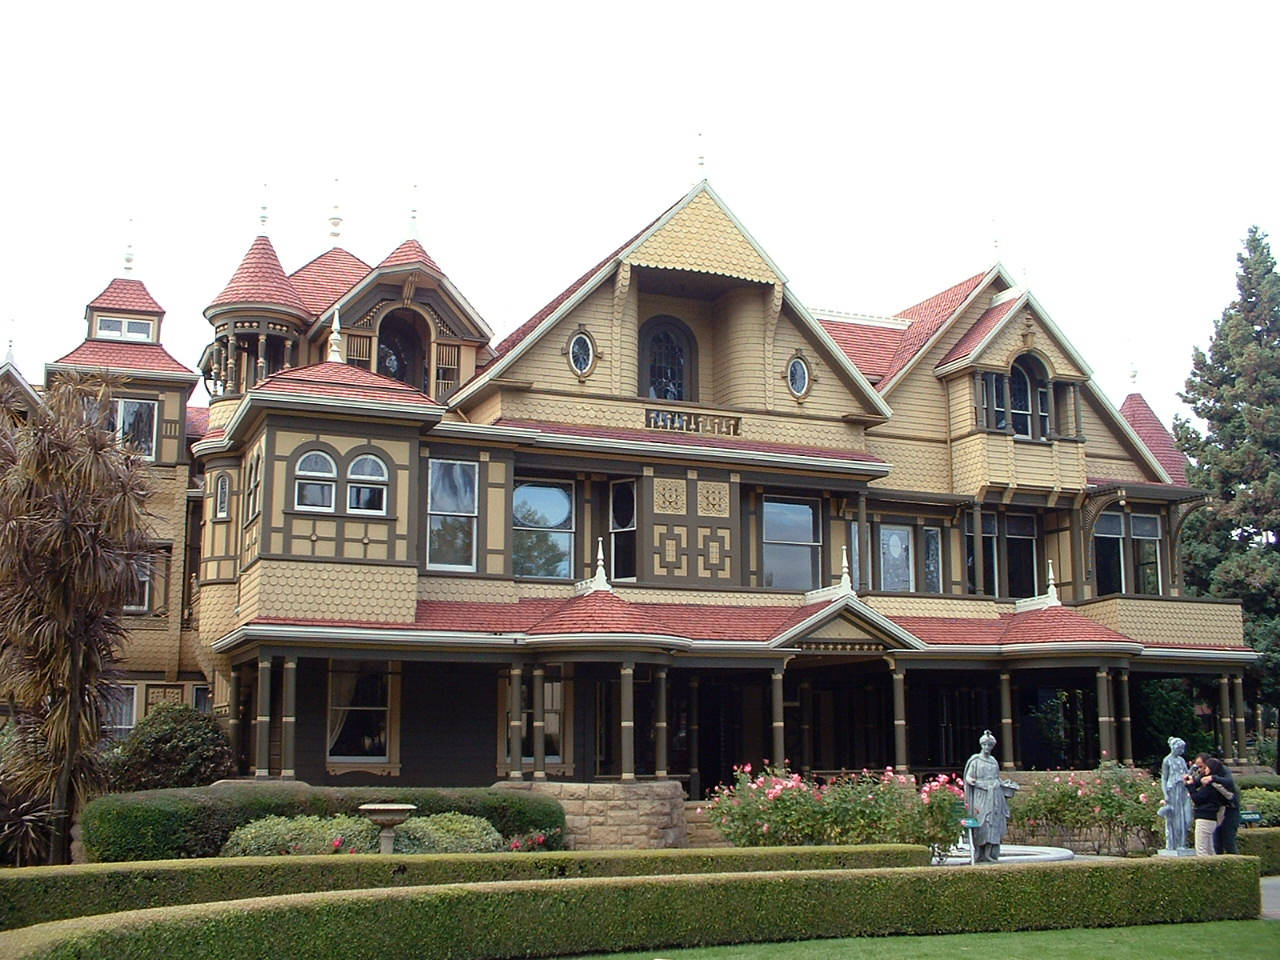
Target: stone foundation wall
pixel 614 816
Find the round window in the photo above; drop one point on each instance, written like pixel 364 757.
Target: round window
pixel 798 377
pixel 582 354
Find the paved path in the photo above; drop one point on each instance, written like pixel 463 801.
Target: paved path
pixel 1271 898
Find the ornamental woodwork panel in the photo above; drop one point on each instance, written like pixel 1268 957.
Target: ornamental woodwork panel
pixel 670 496
pixel 715 553
pixel 670 550
pixel 713 499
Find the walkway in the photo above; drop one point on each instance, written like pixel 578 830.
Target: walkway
pixel 1271 898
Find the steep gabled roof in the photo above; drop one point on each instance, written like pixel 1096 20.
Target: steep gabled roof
pixel 128 296
pixel 982 328
pixel 929 316
pixel 123 356
pixel 869 346
pixel 261 279
pixel 327 277
pixel 409 252
pixel 197 422
pixel 1157 438
pixel 341 381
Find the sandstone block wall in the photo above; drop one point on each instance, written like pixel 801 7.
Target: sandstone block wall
pixel 613 816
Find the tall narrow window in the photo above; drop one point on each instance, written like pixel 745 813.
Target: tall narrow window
pixel 932 549
pixel 314 482
pixel 990 572
pixel 667 360
pixel 792 544
pixel 1020 546
pixel 135 426
pixel 542 534
pixel 367 485
pixel 451 509
pixel 359 709
pixel 120 711
pixel 1108 553
pixel 138 600
pixel 221 497
pixel 1020 402
pixel 252 497
pixel 855 554
pixel 993 401
pixel 1146 553
pixel 622 528
pixel 897 561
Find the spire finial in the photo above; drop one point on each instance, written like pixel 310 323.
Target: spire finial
pixel 413 213
pixel 600 581
pixel 1052 591
pixel 128 249
pixel 335 218
pixel 846 583
pixel 335 339
pixel 1133 376
pixel 262 210
pixel 702 159
pixel 8 357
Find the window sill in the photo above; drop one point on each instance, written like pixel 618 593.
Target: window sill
pixel 335 769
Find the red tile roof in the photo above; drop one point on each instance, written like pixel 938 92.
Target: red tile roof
pixel 123 355
pixel 989 320
pixel 130 296
pixel 603 611
pixel 409 252
pixel 1050 625
pixel 328 277
pixel 341 381
pixel 197 421
pixel 261 279
pixel 1156 436
pixel 927 318
pixel 870 347
pixel 690 439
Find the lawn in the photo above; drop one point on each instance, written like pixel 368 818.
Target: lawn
pixel 1238 939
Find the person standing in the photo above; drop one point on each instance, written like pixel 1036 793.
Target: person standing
pixel 1224 838
pixel 1206 800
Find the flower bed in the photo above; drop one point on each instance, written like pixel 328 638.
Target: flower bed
pixel 1112 810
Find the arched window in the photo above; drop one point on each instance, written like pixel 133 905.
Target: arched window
pixel 252 501
pixel 221 497
pixel 367 485
pixel 1020 401
pixel 1026 392
pixel 315 479
pixel 403 348
pixel 668 360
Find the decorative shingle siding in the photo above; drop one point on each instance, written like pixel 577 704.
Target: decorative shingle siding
pixel 702 238
pixel 1170 622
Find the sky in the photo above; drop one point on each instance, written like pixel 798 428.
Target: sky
pixel 1111 155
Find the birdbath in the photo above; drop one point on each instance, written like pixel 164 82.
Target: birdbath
pixel 388 816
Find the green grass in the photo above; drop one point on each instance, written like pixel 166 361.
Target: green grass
pixel 1237 939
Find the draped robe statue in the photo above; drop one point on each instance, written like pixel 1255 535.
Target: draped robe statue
pixel 1177 802
pixel 986 796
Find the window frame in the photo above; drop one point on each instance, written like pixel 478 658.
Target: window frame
pixel 592 355
pixel 571 531
pixel 815 546
pixel 322 480
pixel 253 490
pixel 1035 551
pixel 222 497
pixel 1119 545
pixel 683 336
pixel 389 762
pixel 799 358
pixel 145 575
pixel 128 695
pixel 124 332
pixel 1138 565
pixel 356 482
pixel 922 547
pixel 473 515
pixel 633 529
pixel 909 531
pixel 117 424
pixel 563 765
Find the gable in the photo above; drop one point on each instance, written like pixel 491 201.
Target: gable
pixel 1109 453
pixel 842 628
pixel 831 393
pixel 702 237
pixel 1021 330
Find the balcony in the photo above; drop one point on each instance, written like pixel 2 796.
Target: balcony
pixel 1169 620
pixel 999 460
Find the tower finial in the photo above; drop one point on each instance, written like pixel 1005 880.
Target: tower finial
pixel 702 159
pixel 600 581
pixel 8 357
pixel 128 249
pixel 335 218
pixel 413 213
pixel 1052 591
pixel 262 210
pixel 1133 376
pixel 846 583
pixel 335 339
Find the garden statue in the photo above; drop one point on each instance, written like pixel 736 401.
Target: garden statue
pixel 987 798
pixel 1177 802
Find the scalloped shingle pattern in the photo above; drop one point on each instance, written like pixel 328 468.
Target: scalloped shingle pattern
pixel 130 296
pixel 702 238
pixel 328 277
pixel 260 279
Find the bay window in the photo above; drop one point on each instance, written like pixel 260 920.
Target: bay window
pixel 1113 573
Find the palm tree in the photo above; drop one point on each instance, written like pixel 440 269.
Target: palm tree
pixel 73 538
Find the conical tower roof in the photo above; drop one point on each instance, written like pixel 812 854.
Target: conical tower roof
pixel 130 296
pixel 261 279
pixel 410 252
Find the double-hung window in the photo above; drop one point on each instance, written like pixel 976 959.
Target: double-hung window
pixel 135 426
pixel 1146 552
pixel 1108 553
pixel 359 711
pixel 451 511
pixel 542 529
pixel 120 711
pixel 622 529
pixel 367 485
pixel 792 543
pixel 314 482
pixel 897 562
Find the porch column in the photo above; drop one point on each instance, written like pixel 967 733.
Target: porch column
pixel 900 762
pixel 628 721
pixel 806 726
pixel 539 722
pixel 1224 713
pixel 515 725
pixel 1006 721
pixel 233 715
pixel 262 358
pixel 695 777
pixel 779 739
pixel 1052 411
pixel 1008 407
pixel 979 567
pixel 864 545
pixel 1075 401
pixel 1106 721
pixel 660 726
pixel 1124 719
pixel 233 361
pixel 1237 686
pixel 262 725
pixel 289 729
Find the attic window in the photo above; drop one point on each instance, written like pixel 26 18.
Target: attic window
pixel 124 328
pixel 798 378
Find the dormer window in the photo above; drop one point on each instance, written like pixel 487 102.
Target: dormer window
pixel 668 360
pixel 1019 403
pixel 125 328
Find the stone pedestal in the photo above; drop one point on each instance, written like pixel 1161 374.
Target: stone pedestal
pixel 644 815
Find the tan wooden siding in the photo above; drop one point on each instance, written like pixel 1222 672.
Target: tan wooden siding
pixel 1180 622
pixel 702 238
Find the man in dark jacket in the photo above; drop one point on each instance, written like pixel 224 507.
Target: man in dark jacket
pixel 1224 838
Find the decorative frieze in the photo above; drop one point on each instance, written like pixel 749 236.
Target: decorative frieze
pixel 670 496
pixel 684 421
pixel 713 499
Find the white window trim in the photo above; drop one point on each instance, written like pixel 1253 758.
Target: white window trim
pixel 329 479
pixel 124 334
pixel 222 497
pixel 382 483
pixel 128 694
pixel 1156 540
pixel 135 610
pixel 117 410
pixel 1124 584
pixel 388 765
pixel 908 531
pixel 473 514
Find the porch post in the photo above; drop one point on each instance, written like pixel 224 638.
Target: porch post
pixel 1224 713
pixel 628 721
pixel 539 722
pixel 233 715
pixel 1006 721
pixel 779 740
pixel 1106 722
pixel 900 762
pixel 515 724
pixel 262 725
pixel 288 730
pixel 1008 407
pixel 806 726
pixel 660 726
pixel 864 545
pixel 1237 686
pixel 695 777
pixel 1126 724
pixel 1075 402
pixel 979 569
pixel 262 358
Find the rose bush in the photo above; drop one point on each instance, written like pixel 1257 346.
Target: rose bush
pixel 1111 808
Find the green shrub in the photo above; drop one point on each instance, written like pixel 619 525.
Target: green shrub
pixel 1263 843
pixel 196 822
pixel 39 894
pixel 550 919
pixel 1110 806
pixel 172 746
pixel 1266 802
pixel 447 833
pixel 302 836
pixel 1260 781
pixel 536 841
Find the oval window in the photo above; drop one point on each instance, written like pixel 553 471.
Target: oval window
pixel 798 377
pixel 582 354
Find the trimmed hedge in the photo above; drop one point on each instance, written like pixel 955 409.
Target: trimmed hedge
pixel 38 894
pixel 548 918
pixel 196 822
pixel 1263 781
pixel 1266 802
pixel 1263 843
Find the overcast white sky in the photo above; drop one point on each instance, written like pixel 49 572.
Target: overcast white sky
pixel 1118 152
